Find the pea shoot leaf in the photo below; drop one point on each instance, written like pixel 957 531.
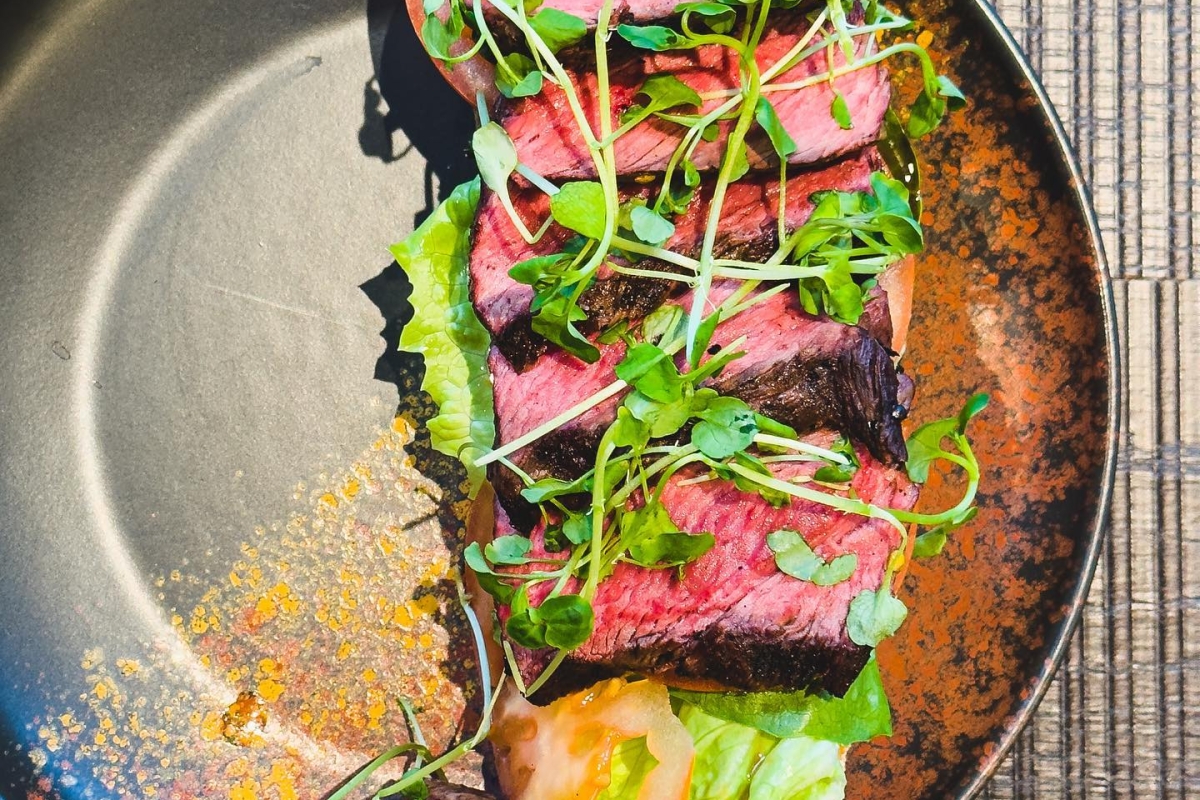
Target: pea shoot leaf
pixel 580 206
pixel 661 92
pixel 764 114
pixel 528 77
pixel 558 29
pixel 439 36
pixel 653 539
pixel 525 630
pixel 741 164
pixel 931 105
pixel 726 427
pixel 614 333
pixel 719 18
pixel 496 157
pixel 652 372
pixel 549 488
pixel 508 550
pixel 664 419
pixel 578 528
pixel 955 100
pixel 774 427
pixel 704 334
pixel 773 496
pixel 489 581
pixel 564 622
pixel 835 473
pixel 652 37
pixel 629 431
pixel 874 616
pixel 794 557
pixel 930 543
pixel 976 404
pixel 925 444
pixel 541 272
pixel 650 227
pixel 568 620
pixel 671 549
pixel 663 323
pixel 555 320
pixel 840 111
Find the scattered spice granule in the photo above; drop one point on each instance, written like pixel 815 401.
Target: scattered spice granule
pixel 325 617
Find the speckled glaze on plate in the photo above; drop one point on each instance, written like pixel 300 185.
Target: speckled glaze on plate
pixel 215 485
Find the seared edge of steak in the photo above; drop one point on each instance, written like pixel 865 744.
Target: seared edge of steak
pixel 732 618
pixel 748 230
pixel 807 372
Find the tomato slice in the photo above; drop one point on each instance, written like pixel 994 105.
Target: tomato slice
pixel 563 751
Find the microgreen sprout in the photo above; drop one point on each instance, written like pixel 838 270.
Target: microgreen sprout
pixel 412 782
pixel 671 425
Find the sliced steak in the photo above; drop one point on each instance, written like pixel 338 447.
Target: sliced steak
pixel 748 230
pixel 549 141
pixel 732 617
pixel 623 11
pixel 807 372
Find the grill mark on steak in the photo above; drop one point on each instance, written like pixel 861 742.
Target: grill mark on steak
pixel 734 618
pixel 549 141
pixel 748 230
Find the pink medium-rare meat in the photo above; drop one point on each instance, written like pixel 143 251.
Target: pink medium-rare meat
pixel 808 372
pixel 748 230
pixel 549 141
pixel 627 11
pixel 732 617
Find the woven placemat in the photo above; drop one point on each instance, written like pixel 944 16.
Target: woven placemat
pixel 1122 718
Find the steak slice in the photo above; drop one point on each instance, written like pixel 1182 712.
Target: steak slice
pixel 808 372
pixel 732 618
pixel 748 230
pixel 549 141
pixel 623 11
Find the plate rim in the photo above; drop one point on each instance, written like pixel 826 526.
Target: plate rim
pixel 1099 532
pixel 978 775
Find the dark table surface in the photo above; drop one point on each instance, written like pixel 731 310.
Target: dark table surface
pixel 1121 719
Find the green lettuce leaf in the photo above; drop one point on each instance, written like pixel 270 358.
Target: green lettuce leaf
pixel 859 716
pixel 726 754
pixel 736 761
pixel 631 763
pixel 800 769
pixel 446 333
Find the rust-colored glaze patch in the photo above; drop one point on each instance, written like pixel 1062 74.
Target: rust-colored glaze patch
pixel 1007 302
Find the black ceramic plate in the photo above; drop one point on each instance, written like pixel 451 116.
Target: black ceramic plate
pixel 205 487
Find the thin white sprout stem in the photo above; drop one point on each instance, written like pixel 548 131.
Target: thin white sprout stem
pixel 481 108
pixel 801 447
pixel 511 658
pixel 485 670
pixel 588 403
pixel 843 504
pixel 537 180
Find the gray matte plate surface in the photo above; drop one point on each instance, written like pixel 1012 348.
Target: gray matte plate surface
pixel 203 488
